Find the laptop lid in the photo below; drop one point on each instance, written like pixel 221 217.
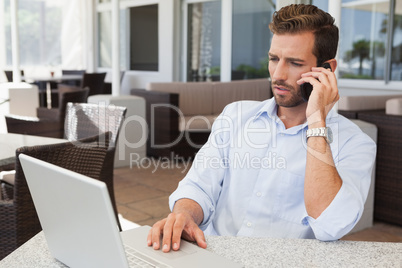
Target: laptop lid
pixel 76 215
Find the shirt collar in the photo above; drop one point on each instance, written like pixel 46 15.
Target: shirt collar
pixel 270 108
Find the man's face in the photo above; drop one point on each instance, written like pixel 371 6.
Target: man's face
pixel 290 56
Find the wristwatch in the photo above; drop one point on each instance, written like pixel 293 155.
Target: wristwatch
pixel 324 132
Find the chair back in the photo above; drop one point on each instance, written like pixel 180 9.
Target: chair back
pixel 19 220
pixel 9 75
pixel 49 122
pixel 107 87
pixel 94 81
pixel 72 71
pixel 73 82
pixel 71 94
pixel 85 120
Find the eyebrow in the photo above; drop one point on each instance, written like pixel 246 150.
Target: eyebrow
pixel 287 59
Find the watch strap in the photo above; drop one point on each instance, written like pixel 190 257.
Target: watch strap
pixel 324 132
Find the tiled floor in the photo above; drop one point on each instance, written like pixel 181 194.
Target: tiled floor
pixel 142 197
pixel 142 193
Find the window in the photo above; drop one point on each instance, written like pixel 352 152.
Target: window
pixel 363 43
pixel 251 38
pixel 396 51
pixel 39 24
pixel 138 38
pixel 203 41
pixel 105 39
pixel 144 38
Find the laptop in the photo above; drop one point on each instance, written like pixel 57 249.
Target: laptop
pixel 80 227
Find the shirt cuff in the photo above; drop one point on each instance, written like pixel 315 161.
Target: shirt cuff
pixel 338 218
pixel 189 192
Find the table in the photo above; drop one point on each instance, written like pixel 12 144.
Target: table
pixel 9 142
pixel 58 78
pixel 253 252
pixel 46 80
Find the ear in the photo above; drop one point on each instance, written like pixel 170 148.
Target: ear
pixel 333 64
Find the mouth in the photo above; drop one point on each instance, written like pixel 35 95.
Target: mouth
pixel 281 90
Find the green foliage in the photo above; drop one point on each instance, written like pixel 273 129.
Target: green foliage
pixel 361 49
pixel 215 70
pixel 356 76
pixel 252 72
pixel 35 21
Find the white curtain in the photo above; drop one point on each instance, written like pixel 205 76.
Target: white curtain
pixel 76 35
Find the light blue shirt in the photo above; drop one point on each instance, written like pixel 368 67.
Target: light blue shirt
pixel 249 177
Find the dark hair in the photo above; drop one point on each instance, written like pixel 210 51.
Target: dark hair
pixel 300 18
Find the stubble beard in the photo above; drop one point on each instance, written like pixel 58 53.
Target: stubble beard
pixel 288 101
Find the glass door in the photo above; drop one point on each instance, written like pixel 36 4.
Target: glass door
pixel 201 40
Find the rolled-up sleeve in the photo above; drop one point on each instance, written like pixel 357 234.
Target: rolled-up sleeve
pixel 189 191
pixel 203 182
pixel 355 163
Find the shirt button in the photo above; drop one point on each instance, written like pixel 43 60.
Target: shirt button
pixel 249 224
pixel 259 194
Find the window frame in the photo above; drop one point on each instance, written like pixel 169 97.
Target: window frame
pixel 125 5
pixel 386 83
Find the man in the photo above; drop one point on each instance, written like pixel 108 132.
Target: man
pixel 270 168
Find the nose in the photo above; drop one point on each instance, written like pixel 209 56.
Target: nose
pixel 280 71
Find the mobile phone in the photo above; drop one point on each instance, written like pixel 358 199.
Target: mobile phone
pixel 306 88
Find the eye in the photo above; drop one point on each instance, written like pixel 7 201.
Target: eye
pixel 297 64
pixel 273 59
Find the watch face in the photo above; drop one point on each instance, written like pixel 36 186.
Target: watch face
pixel 329 135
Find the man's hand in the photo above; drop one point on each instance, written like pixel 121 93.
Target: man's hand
pixel 324 95
pixel 180 223
pixel 322 181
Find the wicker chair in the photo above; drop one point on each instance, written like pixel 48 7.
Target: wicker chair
pixel 107 87
pixel 76 83
pixel 73 83
pixel 50 122
pixel 85 120
pixel 94 81
pixel 9 75
pixel 57 94
pixel 388 182
pixel 18 218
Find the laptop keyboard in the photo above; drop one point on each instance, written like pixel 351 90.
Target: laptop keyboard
pixel 137 259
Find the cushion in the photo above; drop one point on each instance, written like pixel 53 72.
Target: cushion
pixel 197 123
pixel 7 177
pixel 394 106
pixel 228 92
pixel 359 103
pixel 195 98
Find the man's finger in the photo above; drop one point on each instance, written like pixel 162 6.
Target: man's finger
pixel 155 234
pixel 167 232
pixel 177 232
pixel 200 238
